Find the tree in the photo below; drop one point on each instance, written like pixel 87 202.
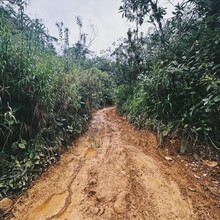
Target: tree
pixel 79 51
pixel 140 10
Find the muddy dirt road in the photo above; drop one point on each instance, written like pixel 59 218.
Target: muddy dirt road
pixel 115 172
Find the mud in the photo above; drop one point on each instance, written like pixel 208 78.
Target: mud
pixel 116 172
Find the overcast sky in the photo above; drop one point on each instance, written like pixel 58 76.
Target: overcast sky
pixel 103 14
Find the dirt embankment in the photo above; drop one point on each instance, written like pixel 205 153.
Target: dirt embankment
pixel 115 172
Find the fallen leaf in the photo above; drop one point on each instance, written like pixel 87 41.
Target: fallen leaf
pixel 210 163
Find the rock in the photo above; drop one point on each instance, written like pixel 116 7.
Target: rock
pixel 101 211
pixel 192 189
pixel 93 181
pixel 122 202
pixel 93 210
pixel 108 214
pixel 5 205
pixel 168 158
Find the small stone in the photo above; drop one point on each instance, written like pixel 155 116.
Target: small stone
pixel 101 211
pixel 5 205
pixel 93 181
pixel 122 202
pixel 168 158
pixel 197 177
pixel 192 189
pixel 108 214
pixel 91 193
pixel 93 210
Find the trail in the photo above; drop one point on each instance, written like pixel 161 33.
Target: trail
pixel 115 172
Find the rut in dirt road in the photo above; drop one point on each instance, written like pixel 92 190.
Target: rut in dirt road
pixel 113 172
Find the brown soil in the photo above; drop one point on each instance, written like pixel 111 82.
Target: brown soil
pixel 116 172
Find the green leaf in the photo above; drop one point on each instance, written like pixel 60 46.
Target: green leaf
pixel 21 145
pixel 29 164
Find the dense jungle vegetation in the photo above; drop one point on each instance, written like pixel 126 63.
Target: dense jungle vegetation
pixel 167 80
pixel 45 98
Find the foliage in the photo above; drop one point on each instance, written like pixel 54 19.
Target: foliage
pixel 43 105
pixel 176 85
pixel 79 52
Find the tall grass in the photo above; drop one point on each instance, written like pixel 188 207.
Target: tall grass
pixel 42 106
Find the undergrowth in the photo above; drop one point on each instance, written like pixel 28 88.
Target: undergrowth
pixel 172 74
pixel 43 105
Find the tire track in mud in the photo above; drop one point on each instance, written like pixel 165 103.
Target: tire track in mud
pixel 68 199
pixel 114 172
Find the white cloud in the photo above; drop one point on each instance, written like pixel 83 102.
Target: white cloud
pixel 103 14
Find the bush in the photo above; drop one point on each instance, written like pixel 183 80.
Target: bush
pixel 176 86
pixel 42 106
